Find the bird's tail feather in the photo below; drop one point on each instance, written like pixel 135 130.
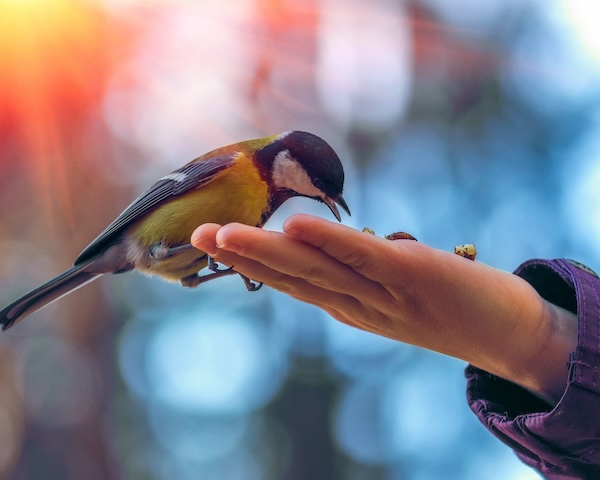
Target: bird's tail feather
pixel 54 289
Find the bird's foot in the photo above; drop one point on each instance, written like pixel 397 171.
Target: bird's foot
pixel 192 281
pixel 250 285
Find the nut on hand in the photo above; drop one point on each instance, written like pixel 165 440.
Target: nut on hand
pixel 467 250
pixel 400 236
pixel 392 236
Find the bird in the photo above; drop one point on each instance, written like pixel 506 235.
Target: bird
pixel 245 183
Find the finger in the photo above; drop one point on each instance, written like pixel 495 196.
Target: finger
pixel 297 259
pixel 296 287
pixel 203 238
pixel 368 254
pixel 354 310
pixel 364 320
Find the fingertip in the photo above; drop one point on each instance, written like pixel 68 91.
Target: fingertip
pixel 229 231
pixel 232 236
pixel 204 237
pixel 299 223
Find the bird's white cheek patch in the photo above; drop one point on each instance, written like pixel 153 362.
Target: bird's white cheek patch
pixel 288 173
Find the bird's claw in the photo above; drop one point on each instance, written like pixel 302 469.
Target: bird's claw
pixel 250 285
pixel 214 266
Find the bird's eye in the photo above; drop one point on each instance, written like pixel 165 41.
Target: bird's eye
pixel 319 184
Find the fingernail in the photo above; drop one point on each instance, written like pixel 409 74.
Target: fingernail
pixel 291 229
pixel 204 244
pixel 230 247
pixel 210 249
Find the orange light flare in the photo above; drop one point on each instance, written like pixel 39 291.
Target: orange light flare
pixel 55 58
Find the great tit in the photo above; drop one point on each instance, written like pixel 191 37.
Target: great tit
pixel 245 183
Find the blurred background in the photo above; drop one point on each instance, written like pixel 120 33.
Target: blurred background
pixel 461 121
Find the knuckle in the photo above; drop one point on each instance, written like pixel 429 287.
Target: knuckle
pixel 314 273
pixel 357 260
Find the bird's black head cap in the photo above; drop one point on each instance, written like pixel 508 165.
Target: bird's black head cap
pixel 300 163
pixel 319 160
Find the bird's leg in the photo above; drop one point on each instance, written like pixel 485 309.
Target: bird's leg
pixel 192 281
pixel 160 251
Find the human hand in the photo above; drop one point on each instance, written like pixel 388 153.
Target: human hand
pixel 407 291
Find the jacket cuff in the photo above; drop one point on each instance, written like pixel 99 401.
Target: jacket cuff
pixel 564 441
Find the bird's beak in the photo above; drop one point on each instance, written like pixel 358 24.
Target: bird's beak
pixel 331 203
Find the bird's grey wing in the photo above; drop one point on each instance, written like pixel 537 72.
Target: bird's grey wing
pixel 189 177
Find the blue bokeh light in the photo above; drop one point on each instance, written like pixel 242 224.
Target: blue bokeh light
pixel 456 121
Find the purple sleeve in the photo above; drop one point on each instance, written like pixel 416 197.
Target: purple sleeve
pixel 561 442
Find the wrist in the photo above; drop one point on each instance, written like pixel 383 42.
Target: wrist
pixel 531 340
pixel 544 335
pixel 548 374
